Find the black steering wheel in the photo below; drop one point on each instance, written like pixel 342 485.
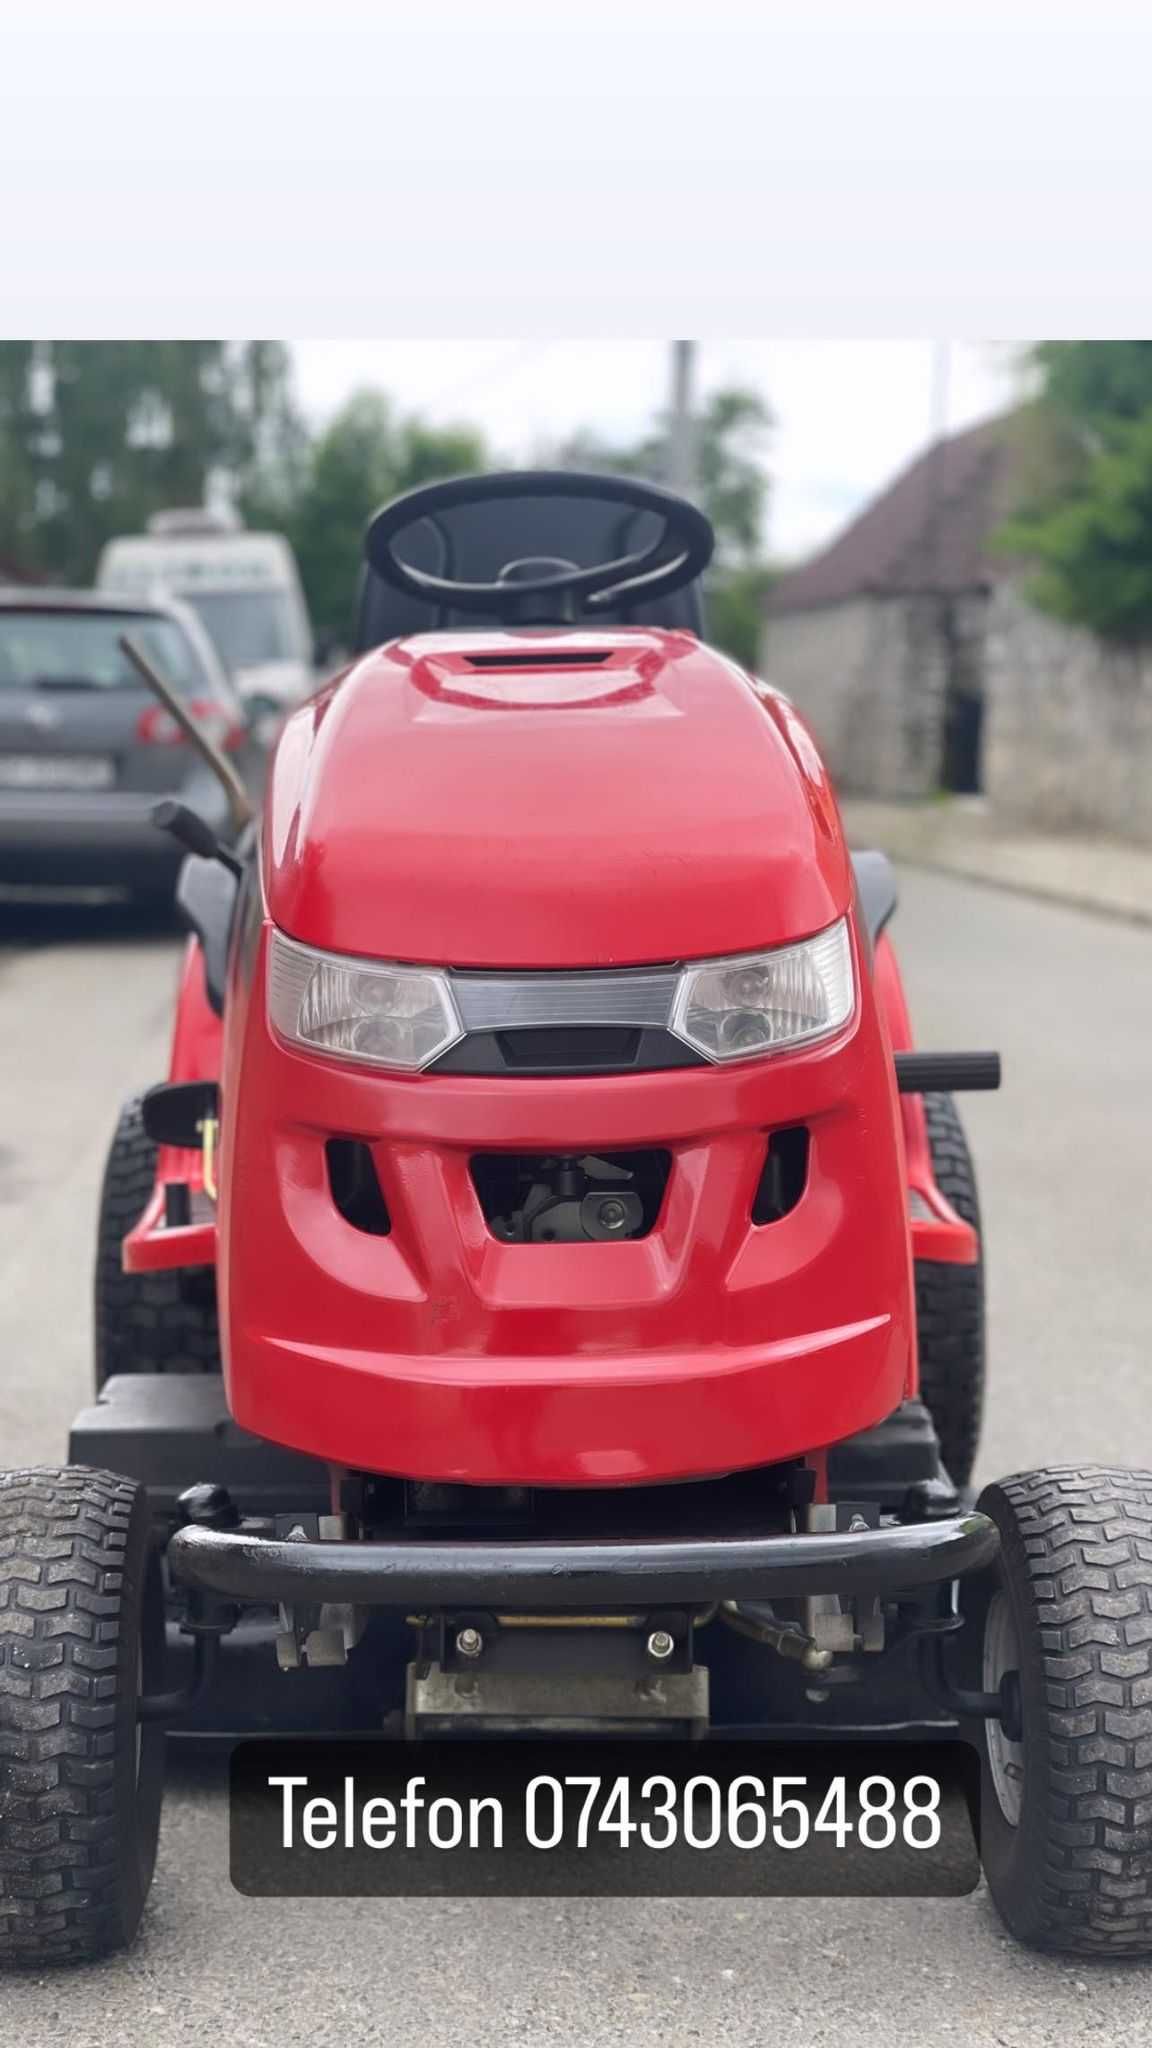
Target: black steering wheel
pixel 546 589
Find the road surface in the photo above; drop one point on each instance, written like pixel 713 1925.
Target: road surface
pixel 1064 1159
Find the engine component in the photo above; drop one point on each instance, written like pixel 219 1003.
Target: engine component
pixel 566 1198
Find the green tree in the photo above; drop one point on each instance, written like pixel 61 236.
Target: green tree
pixel 1084 517
pixel 367 454
pixel 730 433
pixel 1097 385
pixel 736 600
pixel 97 435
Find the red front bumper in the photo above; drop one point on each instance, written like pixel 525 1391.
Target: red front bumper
pixel 439 1352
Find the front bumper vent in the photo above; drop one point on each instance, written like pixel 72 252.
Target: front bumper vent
pixel 355 1187
pixel 784 1174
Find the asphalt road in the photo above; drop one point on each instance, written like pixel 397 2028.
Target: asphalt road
pixel 1063 1154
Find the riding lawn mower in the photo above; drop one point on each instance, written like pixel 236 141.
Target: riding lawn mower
pixel 544 1297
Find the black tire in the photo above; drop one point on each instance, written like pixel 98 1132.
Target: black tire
pixel 145 1322
pixel 950 1305
pixel 1073 1871
pixel 81 1628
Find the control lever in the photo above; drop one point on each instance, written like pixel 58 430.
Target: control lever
pixel 239 802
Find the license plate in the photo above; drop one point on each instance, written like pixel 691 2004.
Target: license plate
pixel 56 771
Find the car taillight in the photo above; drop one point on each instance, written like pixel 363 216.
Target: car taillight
pixel 156 727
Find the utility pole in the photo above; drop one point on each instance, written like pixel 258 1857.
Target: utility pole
pixel 680 457
pixel 941 377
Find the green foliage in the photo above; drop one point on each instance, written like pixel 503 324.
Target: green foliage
pixel 97 435
pixel 736 600
pixel 1093 546
pixel 730 433
pixel 366 455
pixel 733 482
pixel 1085 520
pixel 730 438
pixel 1097 384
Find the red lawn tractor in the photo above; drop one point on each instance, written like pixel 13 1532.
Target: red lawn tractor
pixel 545 1293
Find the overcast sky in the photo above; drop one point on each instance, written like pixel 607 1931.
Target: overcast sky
pixel 849 413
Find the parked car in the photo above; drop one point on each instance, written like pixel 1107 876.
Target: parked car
pixel 86 750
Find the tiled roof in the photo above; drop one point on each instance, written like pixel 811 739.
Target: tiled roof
pixel 928 531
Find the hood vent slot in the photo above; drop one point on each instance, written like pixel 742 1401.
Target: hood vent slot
pixel 575 659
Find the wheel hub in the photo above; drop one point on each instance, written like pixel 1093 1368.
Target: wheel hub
pixel 1001 1674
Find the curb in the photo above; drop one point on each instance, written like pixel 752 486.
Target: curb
pixel 942 841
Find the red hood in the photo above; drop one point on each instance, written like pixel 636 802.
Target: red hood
pixel 451 802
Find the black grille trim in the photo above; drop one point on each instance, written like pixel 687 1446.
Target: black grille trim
pixel 567 1050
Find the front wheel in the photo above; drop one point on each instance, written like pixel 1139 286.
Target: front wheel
pixel 1066 1818
pixel 81 1778
pixel 145 1322
pixel 950 1305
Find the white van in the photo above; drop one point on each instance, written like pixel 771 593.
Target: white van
pixel 244 586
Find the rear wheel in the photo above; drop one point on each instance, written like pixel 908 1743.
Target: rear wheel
pixel 81 1780
pixel 950 1305
pixel 145 1322
pixel 1066 1836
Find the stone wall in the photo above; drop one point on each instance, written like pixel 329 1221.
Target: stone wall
pixel 1067 722
pixel 869 675
pixel 1068 725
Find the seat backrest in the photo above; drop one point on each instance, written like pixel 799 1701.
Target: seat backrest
pixel 476 542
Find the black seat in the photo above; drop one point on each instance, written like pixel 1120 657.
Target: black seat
pixel 876 890
pixel 474 543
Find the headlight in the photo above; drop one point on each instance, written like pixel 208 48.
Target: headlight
pixel 766 1002
pixel 360 1010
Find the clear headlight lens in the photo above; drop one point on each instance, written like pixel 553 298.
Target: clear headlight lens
pixel 767 1002
pixel 401 1017
pixel 404 1017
